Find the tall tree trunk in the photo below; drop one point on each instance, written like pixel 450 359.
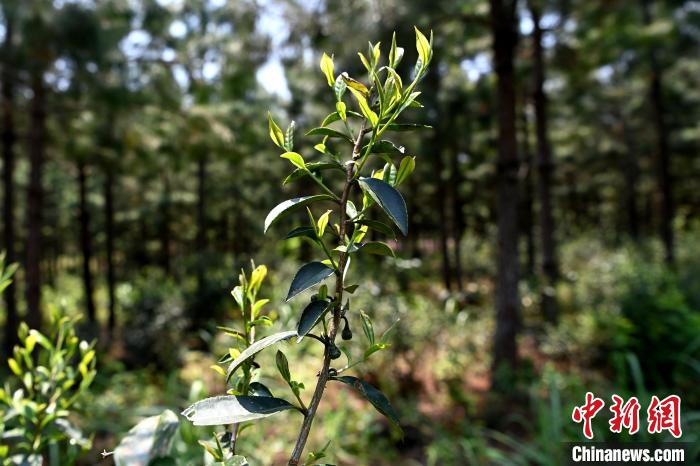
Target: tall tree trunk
pixel 505 352
pixel 8 174
pixel 109 249
pixel 437 149
pixel 545 165
pixel 35 198
pixel 527 223
pixel 457 215
pixel 663 160
pixel 86 244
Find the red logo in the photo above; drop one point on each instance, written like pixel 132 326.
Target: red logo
pixel 587 412
pixel 665 415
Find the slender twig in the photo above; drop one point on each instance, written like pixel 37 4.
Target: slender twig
pixel 335 322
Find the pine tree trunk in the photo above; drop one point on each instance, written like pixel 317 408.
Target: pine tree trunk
pixel 109 249
pixel 9 138
pixel 545 165
pixel 630 170
pixel 457 215
pixel 201 240
pixel 505 353
pixel 86 244
pixel 35 198
pixel 663 159
pixel 165 226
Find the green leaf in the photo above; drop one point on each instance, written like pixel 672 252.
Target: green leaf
pixel 328 68
pixel 296 159
pixel 408 164
pixel 395 54
pixel 374 348
pixel 386 147
pixel 330 132
pixel 304 231
pixel 149 439
pixel 351 288
pixel 228 409
pixel 335 116
pixel 289 137
pixel 275 132
pixel 310 316
pixel 373 395
pixel 339 87
pixel 236 460
pixel 381 227
pixel 256 348
pixel 367 327
pixel 364 62
pixel 389 199
pixel 312 167
pixel 342 109
pixel 291 205
pixel 258 389
pixel 423 47
pixel 283 366
pixel 376 247
pixel 403 127
pixel 308 275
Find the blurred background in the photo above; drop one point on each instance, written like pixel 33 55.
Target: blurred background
pixel 137 170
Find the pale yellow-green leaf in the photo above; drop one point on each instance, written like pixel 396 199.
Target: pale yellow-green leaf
pixel 376 52
pixel 408 164
pixel 14 367
pixel 355 84
pixel 258 275
pixel 276 133
pixel 328 68
pixel 342 110
pixel 423 47
pixel 323 222
pixel 364 61
pixel 320 147
pixel 296 159
pixel 218 369
pixel 364 107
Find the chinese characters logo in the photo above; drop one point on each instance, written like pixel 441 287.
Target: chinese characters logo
pixel 662 415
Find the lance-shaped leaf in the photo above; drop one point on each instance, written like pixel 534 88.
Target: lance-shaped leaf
pixel 290 205
pixel 376 247
pixel 258 389
pixel 147 440
pixel 330 132
pixel 386 147
pixel 310 316
pixel 312 167
pixel 373 395
pixel 388 199
pixel 228 409
pixel 256 348
pixel 305 231
pixel 402 127
pixel 308 275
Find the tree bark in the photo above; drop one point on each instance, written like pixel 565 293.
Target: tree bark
pixel 201 240
pixel 86 243
pixel 35 198
pixel 545 166
pixel 630 171
pixel 165 226
pixel 663 159
pixel 456 204
pixel 9 137
pixel 505 353
pixel 109 249
pixel 527 223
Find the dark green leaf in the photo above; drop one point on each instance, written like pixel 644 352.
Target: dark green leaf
pixel 283 366
pixel 291 205
pixel 388 199
pixel 313 167
pixel 221 410
pixel 302 231
pixel 386 147
pixel 256 348
pixel 330 132
pixel 335 116
pixel 258 389
pixel 373 395
pixel 308 275
pixel 310 316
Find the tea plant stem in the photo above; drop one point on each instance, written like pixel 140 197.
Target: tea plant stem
pixel 335 323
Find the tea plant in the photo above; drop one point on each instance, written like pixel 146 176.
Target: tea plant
pixel 51 374
pixel 338 233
